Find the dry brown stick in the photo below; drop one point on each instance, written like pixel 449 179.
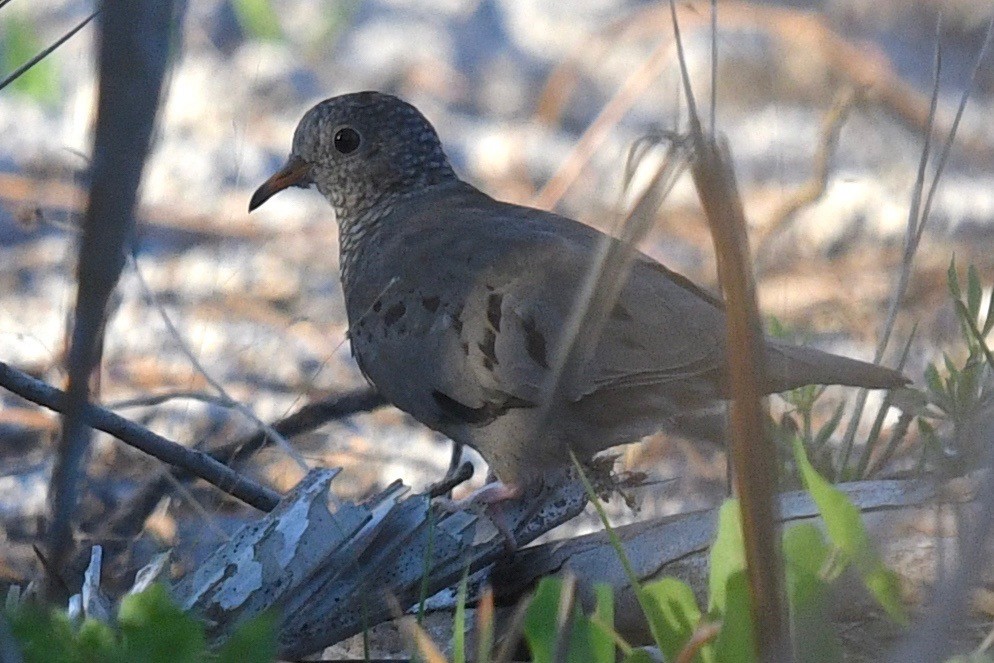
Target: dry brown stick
pixel 133 48
pixel 597 132
pixel 139 437
pixel 129 519
pixel 309 417
pixel 30 194
pixel 806 31
pixel 753 453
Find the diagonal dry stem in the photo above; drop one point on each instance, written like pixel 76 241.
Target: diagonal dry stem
pixel 753 452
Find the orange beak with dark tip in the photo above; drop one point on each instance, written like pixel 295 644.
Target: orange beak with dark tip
pixel 297 172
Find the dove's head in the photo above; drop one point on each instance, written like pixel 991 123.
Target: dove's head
pixel 361 150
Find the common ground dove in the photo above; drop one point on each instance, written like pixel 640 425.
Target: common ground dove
pixel 456 303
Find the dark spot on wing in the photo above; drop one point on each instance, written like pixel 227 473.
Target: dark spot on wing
pixel 377 305
pixel 488 346
pixel 394 313
pixel 534 343
pixel 498 404
pixel 430 303
pixel 494 303
pixel 620 313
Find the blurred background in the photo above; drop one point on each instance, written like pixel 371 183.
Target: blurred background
pixel 538 102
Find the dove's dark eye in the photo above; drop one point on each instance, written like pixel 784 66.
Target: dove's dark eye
pixel 346 140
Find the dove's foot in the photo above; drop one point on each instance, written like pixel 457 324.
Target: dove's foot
pixel 486 500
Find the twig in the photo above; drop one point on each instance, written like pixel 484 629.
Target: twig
pixel 307 418
pixel 931 640
pixel 815 187
pixel 703 634
pixel 604 278
pixel 597 132
pixel 20 71
pixel 268 430
pixel 915 223
pixel 195 462
pixel 130 518
pixel 453 478
pixel 158 399
pixel 134 43
pixel 753 452
pixel 919 214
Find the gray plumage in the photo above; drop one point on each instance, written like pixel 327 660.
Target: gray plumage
pixel 456 303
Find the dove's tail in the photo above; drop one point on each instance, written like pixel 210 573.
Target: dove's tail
pixel 790 366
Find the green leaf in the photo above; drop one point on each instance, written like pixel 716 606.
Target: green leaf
pixel 601 643
pixel 937 389
pixel 673 615
pixel 776 328
pixel 155 630
pixel 950 366
pixel 96 641
pixel 43 635
pixel 845 528
pixel 258 19
pixel 541 620
pixel 580 648
pixel 20 45
pixel 727 555
pixel 933 381
pixel 825 432
pixel 735 642
pixel 806 555
pixel 252 642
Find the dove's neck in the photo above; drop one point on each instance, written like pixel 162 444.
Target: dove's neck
pixel 361 228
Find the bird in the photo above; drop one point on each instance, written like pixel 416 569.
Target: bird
pixel 456 304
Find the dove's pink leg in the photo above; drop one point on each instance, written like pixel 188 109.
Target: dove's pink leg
pixel 488 498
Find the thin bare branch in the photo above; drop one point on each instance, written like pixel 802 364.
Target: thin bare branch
pixel 133 50
pixel 915 226
pixel 932 640
pixel 195 462
pixel 20 71
pixel 815 187
pixel 598 131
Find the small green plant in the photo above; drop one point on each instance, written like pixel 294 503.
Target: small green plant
pixel 150 628
pixel 798 421
pixel 958 391
pixel 555 628
pixel 258 19
pixel 799 418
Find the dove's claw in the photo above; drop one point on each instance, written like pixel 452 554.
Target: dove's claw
pixel 486 502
